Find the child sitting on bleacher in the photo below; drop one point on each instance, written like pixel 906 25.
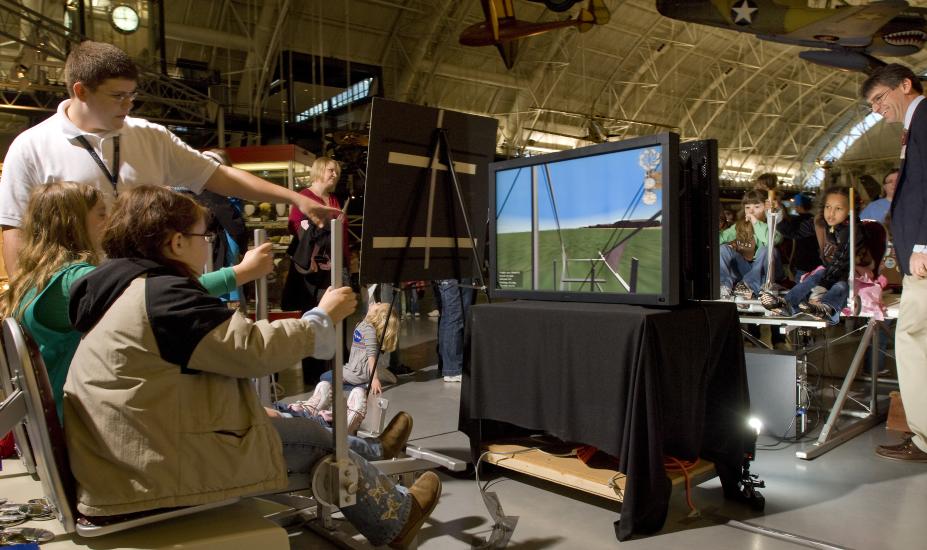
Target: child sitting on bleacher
pixel 823 292
pixel 744 248
pixel 357 372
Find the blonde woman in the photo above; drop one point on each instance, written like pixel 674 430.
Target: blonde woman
pixel 310 252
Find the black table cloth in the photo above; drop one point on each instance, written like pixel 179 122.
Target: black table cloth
pixel 638 383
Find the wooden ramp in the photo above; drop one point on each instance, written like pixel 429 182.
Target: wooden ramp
pixel 572 472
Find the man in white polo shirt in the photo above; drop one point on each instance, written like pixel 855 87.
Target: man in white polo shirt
pixel 91 139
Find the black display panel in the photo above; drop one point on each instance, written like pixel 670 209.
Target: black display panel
pixel 698 230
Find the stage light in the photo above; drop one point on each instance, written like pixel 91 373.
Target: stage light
pixel 756 424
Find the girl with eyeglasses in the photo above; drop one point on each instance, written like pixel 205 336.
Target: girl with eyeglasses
pixel 159 406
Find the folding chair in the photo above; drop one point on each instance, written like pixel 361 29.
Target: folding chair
pixel 13 416
pixel 46 435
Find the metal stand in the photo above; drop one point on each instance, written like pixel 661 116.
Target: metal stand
pixel 867 419
pixel 261 307
pixel 335 479
pixel 831 436
pixel 772 219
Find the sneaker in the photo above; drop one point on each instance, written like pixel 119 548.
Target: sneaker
pixel 321 399
pixel 394 436
pixel 400 370
pixel 774 303
pixel 726 293
pixel 741 290
pixel 434 313
pixel 357 408
pixel 425 493
pixel 455 378
pixel 816 310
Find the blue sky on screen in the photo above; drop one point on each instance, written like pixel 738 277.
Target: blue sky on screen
pixel 588 191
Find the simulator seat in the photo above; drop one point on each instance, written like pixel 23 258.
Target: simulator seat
pixel 32 390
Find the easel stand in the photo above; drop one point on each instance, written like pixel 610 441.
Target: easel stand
pixel 440 159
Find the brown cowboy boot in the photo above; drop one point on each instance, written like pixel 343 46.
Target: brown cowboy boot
pixel 425 493
pixel 394 436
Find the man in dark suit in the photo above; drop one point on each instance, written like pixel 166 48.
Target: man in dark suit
pixel 895 93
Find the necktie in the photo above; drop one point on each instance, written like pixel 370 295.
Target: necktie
pixel 904 137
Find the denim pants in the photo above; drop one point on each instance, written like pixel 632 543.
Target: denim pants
pixel 368 447
pixel 329 377
pixel 382 507
pixel 410 300
pixel 835 297
pixel 735 267
pixel 455 307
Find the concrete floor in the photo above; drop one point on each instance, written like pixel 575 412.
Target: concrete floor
pixel 847 498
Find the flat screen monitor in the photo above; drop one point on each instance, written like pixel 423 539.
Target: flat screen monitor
pixel 594 224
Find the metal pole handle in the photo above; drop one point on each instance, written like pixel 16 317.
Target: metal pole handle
pixel 771 221
pixel 263 384
pixel 342 473
pixel 260 289
pixel 341 407
pixel 851 297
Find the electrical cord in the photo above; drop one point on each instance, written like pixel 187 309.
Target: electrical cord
pixel 673 464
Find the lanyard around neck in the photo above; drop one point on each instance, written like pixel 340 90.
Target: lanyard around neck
pixel 113 176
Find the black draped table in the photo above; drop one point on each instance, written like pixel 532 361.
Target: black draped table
pixel 637 383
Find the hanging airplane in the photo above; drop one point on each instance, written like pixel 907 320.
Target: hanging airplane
pixel 502 30
pixel 847 37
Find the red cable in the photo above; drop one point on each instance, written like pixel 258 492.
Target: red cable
pixel 673 464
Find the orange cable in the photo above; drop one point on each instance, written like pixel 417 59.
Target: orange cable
pixel 673 464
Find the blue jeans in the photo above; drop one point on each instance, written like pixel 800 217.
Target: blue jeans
pixel 327 376
pixel 368 447
pixel 382 507
pixel 735 267
pixel 410 301
pixel 455 308
pixel 835 297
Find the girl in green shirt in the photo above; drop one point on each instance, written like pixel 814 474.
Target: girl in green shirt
pixel 743 249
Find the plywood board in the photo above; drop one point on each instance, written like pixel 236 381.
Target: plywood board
pixel 572 472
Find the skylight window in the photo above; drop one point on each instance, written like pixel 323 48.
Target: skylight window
pixel 353 93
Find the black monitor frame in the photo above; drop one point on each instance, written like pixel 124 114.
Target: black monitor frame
pixel 699 231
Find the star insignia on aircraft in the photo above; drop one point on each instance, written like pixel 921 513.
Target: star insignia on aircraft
pixel 742 13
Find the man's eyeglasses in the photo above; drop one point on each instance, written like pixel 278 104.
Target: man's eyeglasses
pixel 208 237
pixel 877 100
pixel 123 96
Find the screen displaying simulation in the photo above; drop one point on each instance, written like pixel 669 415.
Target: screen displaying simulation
pixel 592 224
